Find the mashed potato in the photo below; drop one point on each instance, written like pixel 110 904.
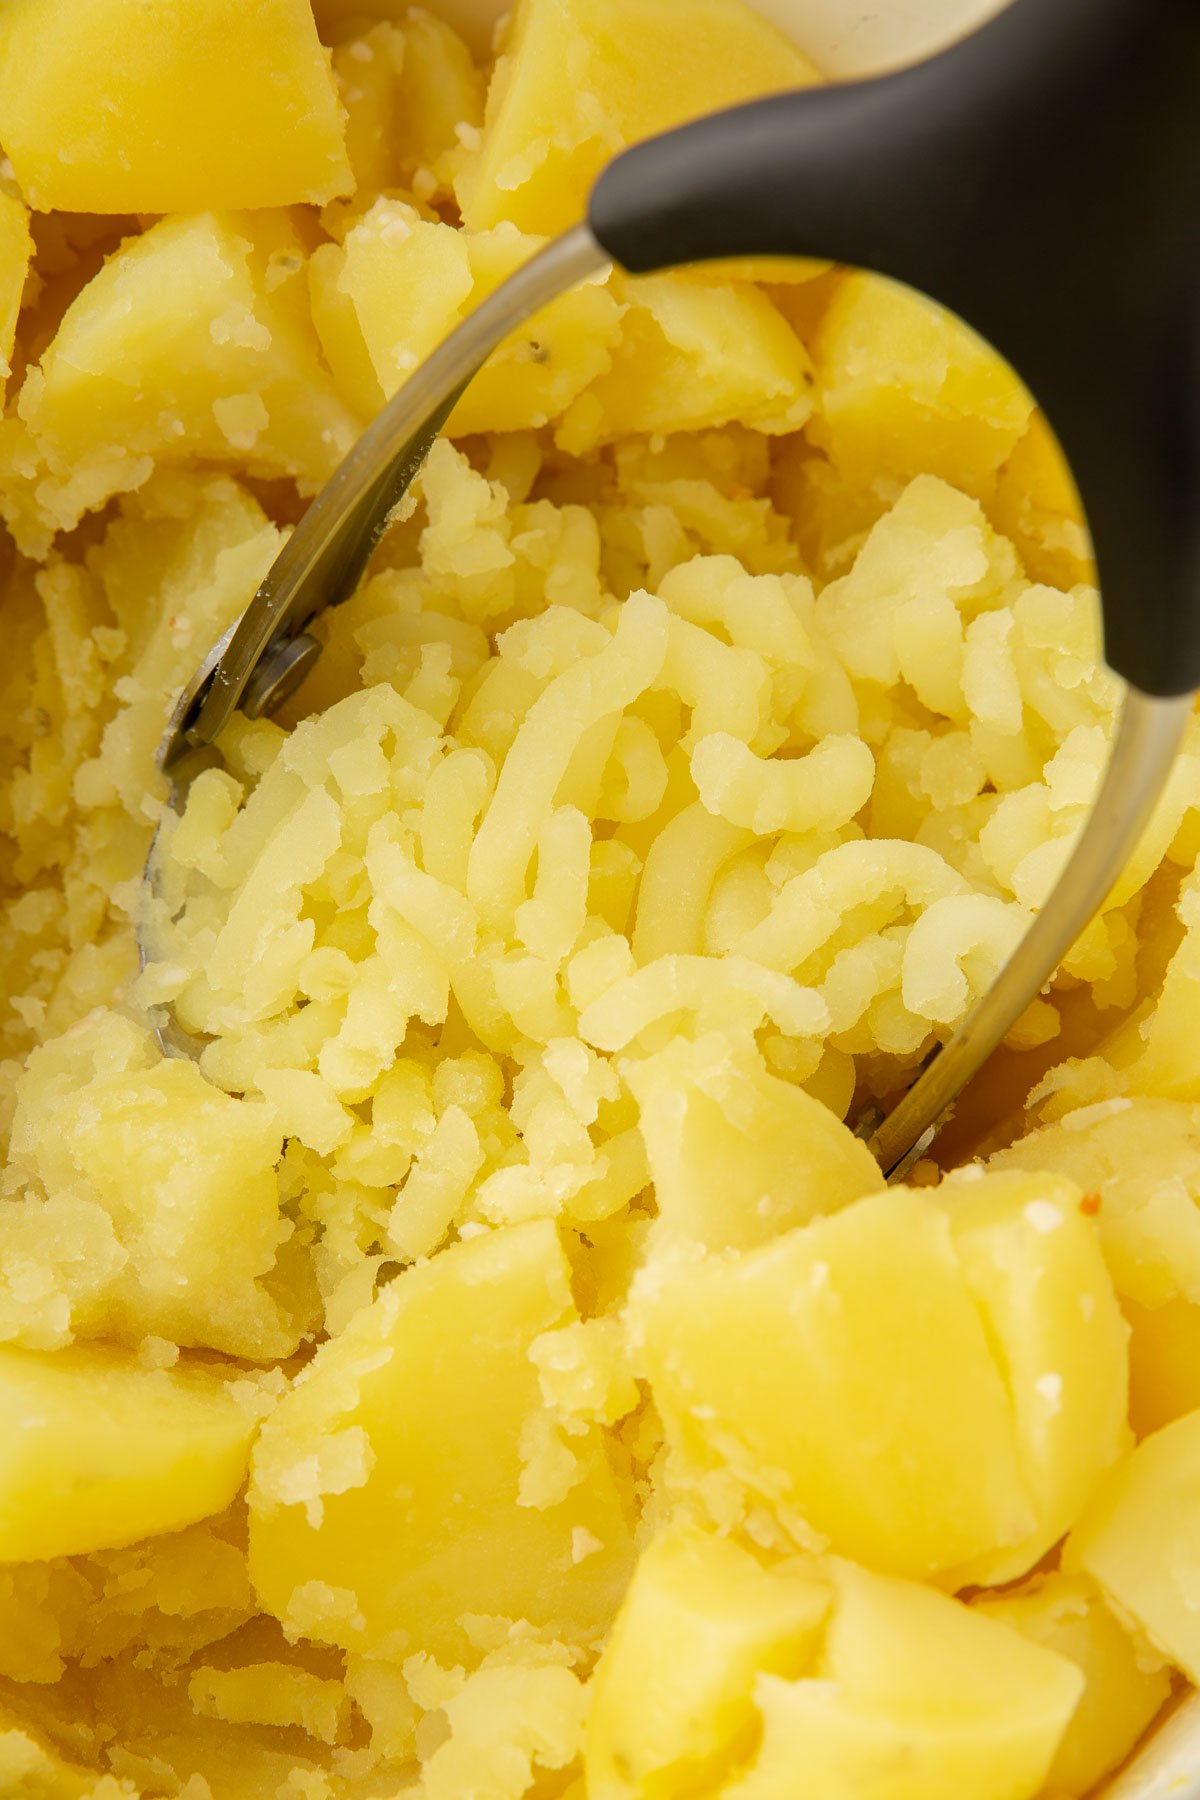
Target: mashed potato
pixel 494 1368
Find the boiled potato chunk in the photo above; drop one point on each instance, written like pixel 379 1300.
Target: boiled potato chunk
pixel 98 1450
pixel 31 1770
pixel 1139 1159
pixel 671 1698
pixel 580 79
pixel 694 354
pixel 185 1173
pixel 1124 1690
pixel 399 283
pixel 1164 1363
pixel 194 341
pixel 16 248
pixel 208 103
pixel 737 1155
pixel 1033 1265
pixel 844 1372
pixel 368 71
pixel 1140 1540
pixel 440 102
pixel 398 1487
pixel 907 389
pixel 916 1698
pixel 1036 505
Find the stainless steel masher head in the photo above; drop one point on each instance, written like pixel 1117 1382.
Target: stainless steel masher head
pixel 1041 178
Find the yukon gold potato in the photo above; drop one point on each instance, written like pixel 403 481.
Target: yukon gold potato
pixel 399 283
pixel 1139 1158
pixel 1033 1265
pixel 843 1373
pixel 182 1174
pixel 571 89
pixel 194 340
pixel 1037 506
pixel 694 354
pixel 1164 1362
pixel 1125 1686
pixel 914 1698
pixel 671 1698
pixel 413 100
pixel 417 1428
pixel 16 248
pixel 30 1766
pixel 907 388
pixel 211 103
pixel 1138 1539
pixel 736 1154
pixel 99 1450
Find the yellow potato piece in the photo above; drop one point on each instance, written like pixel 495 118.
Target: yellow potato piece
pixel 1124 1687
pixel 671 1697
pixel 694 354
pixel 389 1497
pixel 31 1770
pixel 1033 1265
pixel 907 389
pixel 193 341
pixel 98 1450
pixel 1164 1363
pixel 187 1176
pixel 1139 1159
pixel 16 248
pixel 915 1698
pixel 737 1155
pixel 399 283
pixel 580 79
pixel 1036 504
pixel 1139 1538
pixel 209 103
pixel 844 1372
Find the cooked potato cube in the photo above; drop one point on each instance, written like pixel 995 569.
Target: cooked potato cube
pixel 184 1173
pixel 402 1484
pixel 1033 1266
pixel 1037 506
pixel 671 1697
pixel 916 1698
pixel 1138 1538
pixel 399 283
pixel 737 1155
pixel 194 341
pixel 580 79
pixel 98 1450
pixel 207 103
pixel 16 248
pixel 844 1371
pixel 1164 1363
pixel 1139 1159
pixel 694 354
pixel 907 389
pixel 1124 1687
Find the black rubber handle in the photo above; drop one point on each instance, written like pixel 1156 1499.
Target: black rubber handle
pixel 1040 178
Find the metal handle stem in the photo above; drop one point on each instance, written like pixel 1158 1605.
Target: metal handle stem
pixel 1147 740
pixel 323 559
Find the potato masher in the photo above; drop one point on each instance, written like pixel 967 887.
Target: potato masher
pixel 1042 179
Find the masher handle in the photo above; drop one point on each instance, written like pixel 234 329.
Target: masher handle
pixel 1042 179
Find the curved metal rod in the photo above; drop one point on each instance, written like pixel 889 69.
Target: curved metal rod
pixel 323 559
pixel 1145 747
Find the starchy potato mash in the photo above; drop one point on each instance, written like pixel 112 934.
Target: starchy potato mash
pixel 495 1368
